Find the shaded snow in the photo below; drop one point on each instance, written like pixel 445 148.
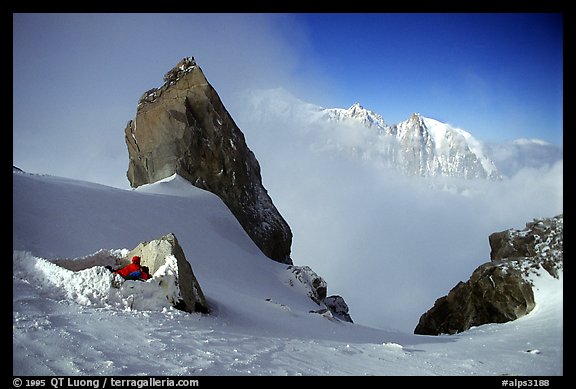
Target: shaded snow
pixel 69 322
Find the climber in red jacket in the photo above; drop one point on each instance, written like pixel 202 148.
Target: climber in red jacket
pixel 133 271
pixel 134 266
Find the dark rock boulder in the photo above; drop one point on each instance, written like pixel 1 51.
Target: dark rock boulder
pixel 503 245
pixel 492 295
pixel 184 128
pixel 338 307
pixel 501 290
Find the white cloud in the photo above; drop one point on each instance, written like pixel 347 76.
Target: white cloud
pixel 390 245
pixel 511 157
pixel 79 77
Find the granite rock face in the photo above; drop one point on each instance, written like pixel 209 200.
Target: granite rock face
pixel 501 290
pixel 492 295
pixel 184 128
pixel 183 289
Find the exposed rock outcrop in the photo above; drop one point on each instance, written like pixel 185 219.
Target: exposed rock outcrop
pixel 316 288
pixel 314 285
pixel 183 127
pixel 338 307
pixel 167 252
pixel 501 290
pixel 492 295
pixel 541 243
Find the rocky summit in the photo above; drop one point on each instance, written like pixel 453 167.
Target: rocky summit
pixel 419 146
pixel 184 128
pixel 500 290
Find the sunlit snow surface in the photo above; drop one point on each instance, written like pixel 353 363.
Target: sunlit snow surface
pixel 68 323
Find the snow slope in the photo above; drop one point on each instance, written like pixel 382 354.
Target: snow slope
pixel 65 323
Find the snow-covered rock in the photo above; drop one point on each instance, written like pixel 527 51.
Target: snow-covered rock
pixel 314 285
pixel 166 257
pixel 316 288
pixel 338 307
pixel 356 113
pixel 540 243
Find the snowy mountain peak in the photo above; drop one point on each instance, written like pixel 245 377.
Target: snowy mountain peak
pixel 356 113
pixel 356 107
pixel 429 147
pixel 416 119
pixel 418 146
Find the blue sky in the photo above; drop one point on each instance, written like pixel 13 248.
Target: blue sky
pixel 78 77
pixel 497 75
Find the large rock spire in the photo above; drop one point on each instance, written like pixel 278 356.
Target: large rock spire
pixel 183 127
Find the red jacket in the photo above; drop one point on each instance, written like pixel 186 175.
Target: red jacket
pixel 134 266
pixel 128 269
